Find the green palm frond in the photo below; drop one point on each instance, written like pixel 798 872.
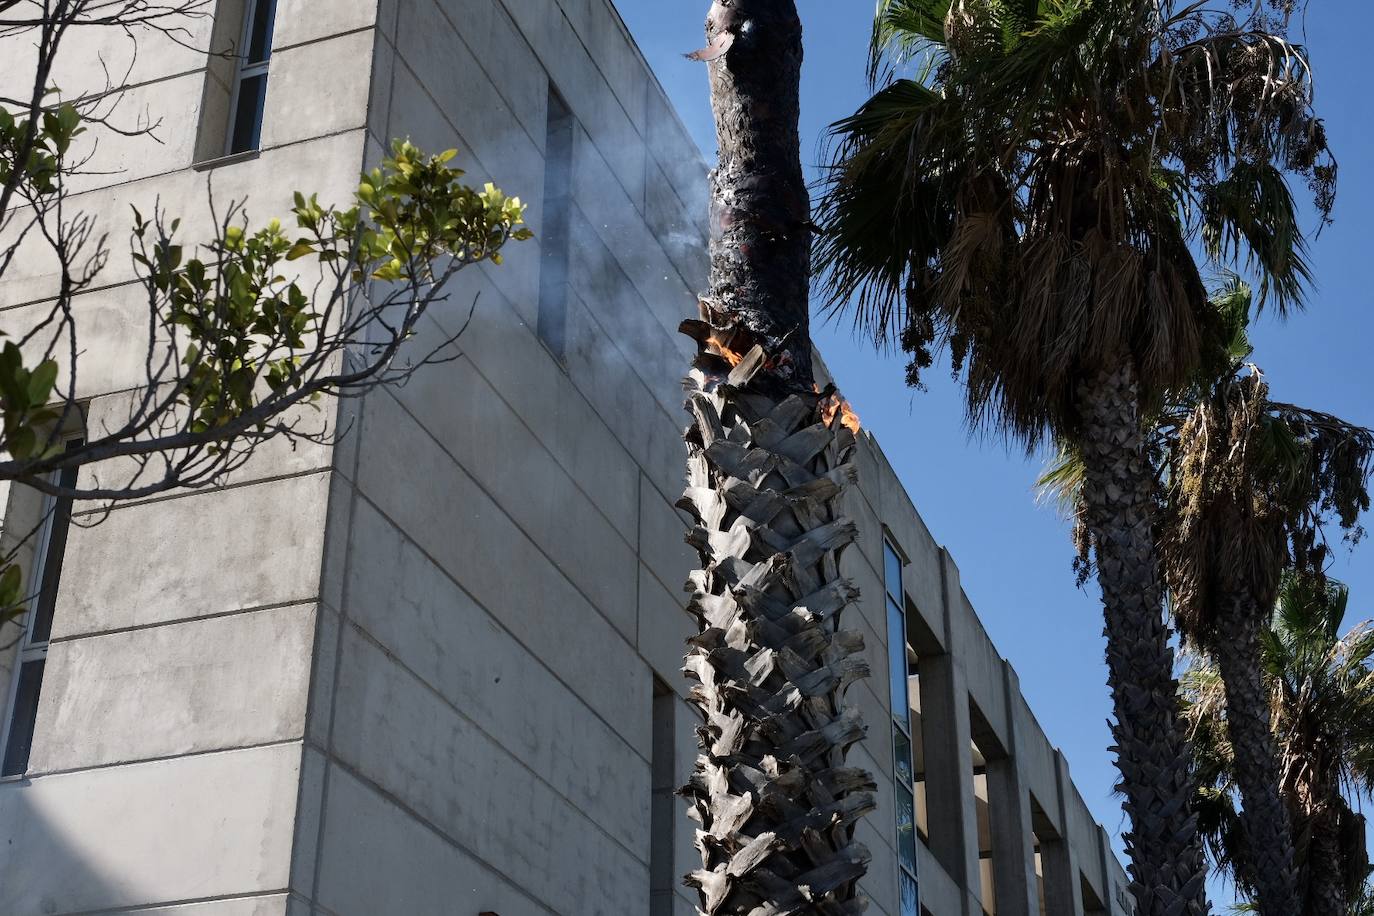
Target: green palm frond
pixel 1250 218
pixel 902 29
pixel 1032 199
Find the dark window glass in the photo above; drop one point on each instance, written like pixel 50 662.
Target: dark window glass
pixel 910 906
pixel 663 810
pixel 248 117
pixel 260 32
pixel 52 563
pixel 892 572
pixel 906 828
pixel 896 662
pixel 25 714
pixel 901 751
pixel 556 238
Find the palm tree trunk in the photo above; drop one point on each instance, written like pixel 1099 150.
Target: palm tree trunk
pixel 1268 833
pixel 1325 873
pixel 1167 864
pixel 775 803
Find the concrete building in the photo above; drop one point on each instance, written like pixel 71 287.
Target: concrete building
pixel 433 668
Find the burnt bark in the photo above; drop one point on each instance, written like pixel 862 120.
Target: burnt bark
pixel 760 209
pixel 767 468
pixel 1269 837
pixel 1167 866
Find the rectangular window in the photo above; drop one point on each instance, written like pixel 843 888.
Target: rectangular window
pixel 249 94
pixel 556 235
pixel 898 671
pixel 663 809
pixel 33 646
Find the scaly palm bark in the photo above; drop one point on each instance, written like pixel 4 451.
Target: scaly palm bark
pixel 1168 870
pixel 1269 848
pixel 1325 878
pixel 775 803
pixel 1320 694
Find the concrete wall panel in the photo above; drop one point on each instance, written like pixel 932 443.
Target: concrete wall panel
pixel 503 569
pixel 394 731
pixel 162 561
pixel 378 859
pixel 135 836
pixel 165 691
pixel 437 632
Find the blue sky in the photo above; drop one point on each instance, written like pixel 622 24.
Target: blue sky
pixel 976 496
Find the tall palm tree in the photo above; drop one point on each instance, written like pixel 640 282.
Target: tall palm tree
pixel 1320 689
pixel 1249 484
pixel 1246 487
pixel 768 460
pixel 1030 198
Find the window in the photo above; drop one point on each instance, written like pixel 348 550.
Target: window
pixel 904 775
pixel 556 236
pixel 663 809
pixel 33 645
pixel 250 78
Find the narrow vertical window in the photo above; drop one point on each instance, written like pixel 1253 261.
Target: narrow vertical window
pixel 903 771
pixel 557 229
pixel 33 647
pixel 250 79
pixel 662 813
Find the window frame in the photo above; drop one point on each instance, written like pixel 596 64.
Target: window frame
pixel 245 70
pixel 894 603
pixel 30 650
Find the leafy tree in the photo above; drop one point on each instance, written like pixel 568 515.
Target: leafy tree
pixel 246 329
pixel 1032 197
pixel 775 802
pixel 1320 690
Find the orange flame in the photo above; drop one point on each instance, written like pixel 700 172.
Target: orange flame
pixel 730 356
pixel 835 404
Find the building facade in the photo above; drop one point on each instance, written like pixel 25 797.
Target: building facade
pixel 433 668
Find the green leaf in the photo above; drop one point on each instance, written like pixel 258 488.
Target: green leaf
pixel 11 586
pixel 41 382
pixel 23 442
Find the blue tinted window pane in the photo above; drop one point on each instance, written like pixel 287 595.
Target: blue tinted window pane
pixel 260 31
pixel 892 572
pixel 901 752
pixel 248 117
pixel 896 662
pixel 906 828
pixel 910 905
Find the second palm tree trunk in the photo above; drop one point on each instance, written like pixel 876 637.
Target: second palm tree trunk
pixel 1167 867
pixel 775 804
pixel 1269 845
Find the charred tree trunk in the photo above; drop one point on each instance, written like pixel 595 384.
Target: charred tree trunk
pixel 760 209
pixel 1269 837
pixel 775 803
pixel 1167 867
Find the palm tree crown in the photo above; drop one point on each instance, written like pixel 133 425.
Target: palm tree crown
pixel 1250 485
pixel 1031 195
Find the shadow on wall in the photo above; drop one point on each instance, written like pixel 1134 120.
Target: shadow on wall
pixel 49 864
